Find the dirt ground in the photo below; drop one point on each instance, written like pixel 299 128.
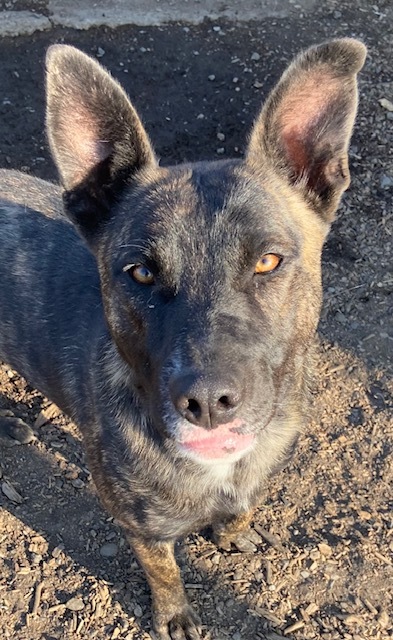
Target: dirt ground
pixel 327 570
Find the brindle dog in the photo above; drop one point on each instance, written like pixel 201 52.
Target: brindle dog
pixel 171 312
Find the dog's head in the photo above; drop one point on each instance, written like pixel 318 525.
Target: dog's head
pixel 210 272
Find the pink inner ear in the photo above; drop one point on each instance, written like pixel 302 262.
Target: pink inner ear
pixel 302 116
pixel 83 139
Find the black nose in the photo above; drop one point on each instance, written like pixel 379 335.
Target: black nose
pixel 205 402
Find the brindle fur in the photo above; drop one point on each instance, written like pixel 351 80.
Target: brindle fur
pixel 110 351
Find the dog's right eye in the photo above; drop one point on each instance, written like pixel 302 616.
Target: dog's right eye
pixel 140 273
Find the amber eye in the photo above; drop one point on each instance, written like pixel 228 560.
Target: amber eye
pixel 140 273
pixel 268 263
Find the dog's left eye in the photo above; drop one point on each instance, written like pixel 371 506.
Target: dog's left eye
pixel 268 263
pixel 140 273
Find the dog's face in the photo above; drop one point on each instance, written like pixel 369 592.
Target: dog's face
pixel 211 289
pixel 210 272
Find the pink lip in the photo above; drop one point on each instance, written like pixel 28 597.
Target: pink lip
pixel 218 443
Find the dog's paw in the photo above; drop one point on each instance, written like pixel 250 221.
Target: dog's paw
pixel 13 430
pixel 244 541
pixel 184 624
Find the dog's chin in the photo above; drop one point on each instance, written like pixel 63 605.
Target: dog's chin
pixel 227 443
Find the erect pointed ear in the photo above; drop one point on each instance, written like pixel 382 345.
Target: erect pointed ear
pixel 96 137
pixel 304 129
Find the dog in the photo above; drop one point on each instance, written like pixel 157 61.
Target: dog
pixel 172 312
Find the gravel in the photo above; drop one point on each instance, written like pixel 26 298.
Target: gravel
pixel 324 570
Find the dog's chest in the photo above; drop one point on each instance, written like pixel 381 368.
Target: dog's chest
pixel 194 504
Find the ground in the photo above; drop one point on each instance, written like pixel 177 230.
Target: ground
pixel 326 570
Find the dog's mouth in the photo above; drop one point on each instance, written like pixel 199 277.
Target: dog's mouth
pixel 225 441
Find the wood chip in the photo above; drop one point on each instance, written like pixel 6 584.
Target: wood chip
pixel 294 627
pixel 11 493
pixel 46 415
pixel 311 608
pixel 383 619
pixel 370 607
pixel 271 538
pixel 37 598
pixel 269 573
pixel 353 619
pixel 265 613
pixel 80 626
pixel 382 558
pixel 56 607
pixel 74 623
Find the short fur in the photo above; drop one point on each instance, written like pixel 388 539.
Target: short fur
pixel 208 342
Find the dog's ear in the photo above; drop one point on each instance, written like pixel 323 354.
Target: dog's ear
pixel 96 137
pixel 304 128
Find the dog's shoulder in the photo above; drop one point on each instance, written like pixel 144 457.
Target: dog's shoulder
pixel 19 189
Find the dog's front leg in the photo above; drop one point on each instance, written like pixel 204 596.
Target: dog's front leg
pixel 173 617
pixel 236 531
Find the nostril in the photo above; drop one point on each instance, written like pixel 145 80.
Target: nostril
pixel 195 408
pixel 224 403
pixel 227 402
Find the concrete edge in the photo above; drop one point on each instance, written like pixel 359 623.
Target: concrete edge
pixel 82 15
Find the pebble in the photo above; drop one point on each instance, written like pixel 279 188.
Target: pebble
pixel 255 56
pixel 111 535
pixel 138 611
pixel 109 550
pixel 221 137
pixel 386 104
pixel 211 77
pixel 325 550
pixel 341 318
pixel 75 604
pixel 386 182
pixel 78 483
pixel 36 558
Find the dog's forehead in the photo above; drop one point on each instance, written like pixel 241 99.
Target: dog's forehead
pixel 209 200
